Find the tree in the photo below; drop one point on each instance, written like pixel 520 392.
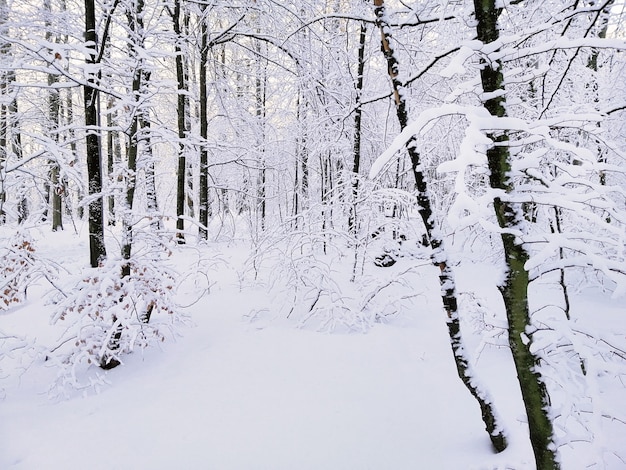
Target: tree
pixel 181 109
pixel 5 47
pixel 134 13
pixel 97 249
pixel 358 116
pixel 56 188
pixel 514 289
pixel 203 211
pixel 10 133
pixel 434 239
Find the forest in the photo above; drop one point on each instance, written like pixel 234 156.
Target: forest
pixel 358 171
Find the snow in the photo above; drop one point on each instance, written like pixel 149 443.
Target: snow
pixel 457 64
pixel 232 392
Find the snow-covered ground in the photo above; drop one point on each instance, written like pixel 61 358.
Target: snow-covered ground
pixel 237 390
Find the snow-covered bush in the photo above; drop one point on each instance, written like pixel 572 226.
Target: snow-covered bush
pixel 16 353
pixel 20 267
pixel 109 316
pixel 319 291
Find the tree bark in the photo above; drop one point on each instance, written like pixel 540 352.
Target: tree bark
pixel 182 127
pixel 5 50
pixel 54 105
pixel 356 148
pixel 260 103
pixel 515 287
pixel 434 239
pixel 152 202
pixel 97 250
pixel 131 154
pixel 203 200
pixel 112 137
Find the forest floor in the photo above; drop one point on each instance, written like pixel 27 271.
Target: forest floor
pixel 241 386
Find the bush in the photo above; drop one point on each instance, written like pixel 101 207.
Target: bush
pixel 109 316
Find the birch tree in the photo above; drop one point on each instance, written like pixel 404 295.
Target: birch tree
pixel 435 241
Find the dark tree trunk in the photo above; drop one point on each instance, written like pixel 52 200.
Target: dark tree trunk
pixel 112 137
pixel 182 127
pixel 97 250
pixel 515 287
pixel 593 65
pixel 131 154
pixel 439 255
pixel 356 150
pixel 203 189
pixel 135 26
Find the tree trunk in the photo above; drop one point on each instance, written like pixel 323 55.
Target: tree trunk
pixel 356 151
pixel 56 187
pixel 3 150
pixel 182 128
pixel 68 120
pixel 97 250
pixel 439 255
pixel 260 103
pixel 54 105
pixel 515 287
pixel 5 51
pixel 135 26
pixel 131 154
pixel 16 147
pixel 152 202
pixel 203 189
pixel 301 189
pixel 111 142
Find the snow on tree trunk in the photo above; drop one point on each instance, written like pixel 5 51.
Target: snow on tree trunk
pixel 515 286
pixel 203 188
pixel 182 128
pixel 97 249
pixel 439 255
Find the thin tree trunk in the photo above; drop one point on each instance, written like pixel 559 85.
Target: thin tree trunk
pixel 10 134
pixel 131 154
pixel 302 164
pixel 97 250
pixel 16 146
pixel 593 65
pixel 203 189
pixel 152 202
pixel 439 255
pixel 135 26
pixel 182 128
pixel 515 287
pixel 56 187
pixel 5 51
pixel 260 98
pixel 111 142
pixel 356 151
pixel 54 105
pixel 3 150
pixel 68 119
